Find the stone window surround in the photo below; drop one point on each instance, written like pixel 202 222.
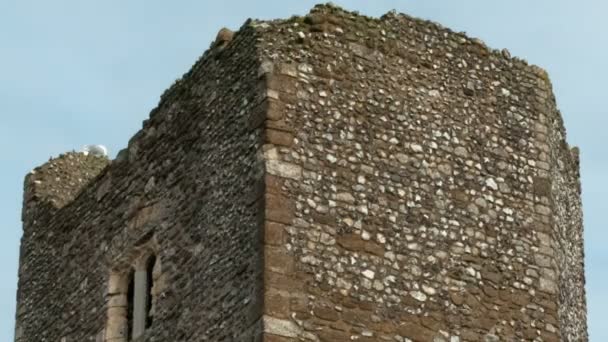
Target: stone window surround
pixel 133 266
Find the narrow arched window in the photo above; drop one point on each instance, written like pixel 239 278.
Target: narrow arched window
pixel 133 289
pixel 142 298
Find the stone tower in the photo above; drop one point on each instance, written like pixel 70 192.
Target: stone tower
pixel 331 177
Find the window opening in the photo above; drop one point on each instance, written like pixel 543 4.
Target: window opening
pixel 130 299
pixel 150 285
pixel 142 299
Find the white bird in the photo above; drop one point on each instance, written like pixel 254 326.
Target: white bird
pixel 95 150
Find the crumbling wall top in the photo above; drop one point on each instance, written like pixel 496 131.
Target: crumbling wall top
pixel 60 180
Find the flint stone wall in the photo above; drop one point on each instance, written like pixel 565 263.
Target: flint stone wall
pixel 192 180
pixel 430 193
pixel 331 177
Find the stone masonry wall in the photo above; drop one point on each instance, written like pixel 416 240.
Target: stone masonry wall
pixel 331 177
pixel 191 180
pixel 409 188
pixel 567 230
pixel 48 189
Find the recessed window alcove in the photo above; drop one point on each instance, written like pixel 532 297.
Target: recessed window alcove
pixel 132 298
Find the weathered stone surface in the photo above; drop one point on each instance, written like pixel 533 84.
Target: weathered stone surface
pixel 415 194
pixel 85 218
pixel 328 178
pixel 224 36
pixel 283 169
pixel 281 327
pixel 279 138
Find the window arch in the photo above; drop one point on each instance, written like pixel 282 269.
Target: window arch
pixel 142 295
pixel 131 299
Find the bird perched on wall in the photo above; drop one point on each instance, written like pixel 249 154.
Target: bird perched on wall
pixel 95 150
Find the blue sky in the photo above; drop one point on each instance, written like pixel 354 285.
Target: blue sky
pixel 80 72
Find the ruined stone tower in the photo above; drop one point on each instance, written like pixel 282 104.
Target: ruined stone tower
pixel 331 177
